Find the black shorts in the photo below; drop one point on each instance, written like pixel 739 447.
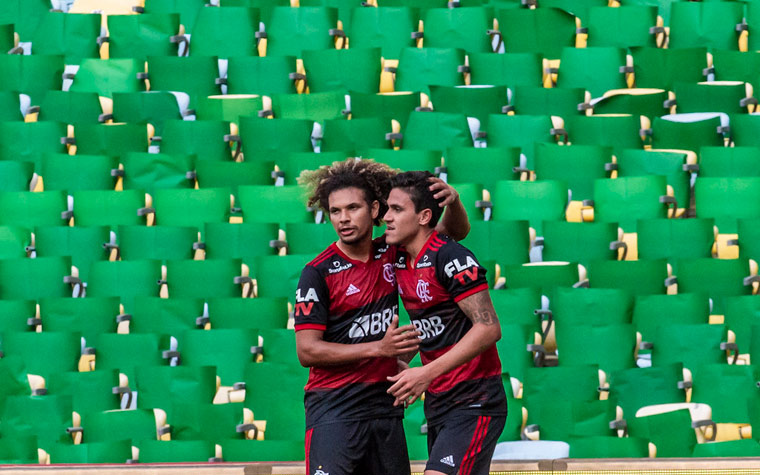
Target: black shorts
pixel 369 447
pixel 464 444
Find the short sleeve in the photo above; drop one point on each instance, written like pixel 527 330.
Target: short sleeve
pixel 459 272
pixel 312 301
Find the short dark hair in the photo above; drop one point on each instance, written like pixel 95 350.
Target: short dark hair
pixel 417 185
pixel 367 175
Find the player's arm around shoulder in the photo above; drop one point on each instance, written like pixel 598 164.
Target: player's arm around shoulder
pixel 454 222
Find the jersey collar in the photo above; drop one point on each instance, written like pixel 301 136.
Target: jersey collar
pixel 425 248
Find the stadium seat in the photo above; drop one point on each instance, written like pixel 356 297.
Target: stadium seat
pixel 150 107
pixel 44 354
pixel 513 348
pixel 407 160
pixel 726 200
pixel 266 139
pixel 287 34
pixel 126 353
pixel 619 132
pixel 535 201
pixel 419 68
pixel 31 74
pixel 315 107
pixel 11 106
pixel 71 107
pixel 352 69
pixel 561 419
pixel 625 27
pixel 140 36
pixel 137 242
pixel 385 27
pixel 107 76
pixel 694 345
pixel 675 239
pixel 110 139
pixel 25 15
pixel 192 207
pixel 675 421
pixel 508 69
pixel 676 166
pixel 193 76
pixel 578 307
pixel 262 75
pixel 544 276
pixel 649 103
pixel 173 451
pixel 27 142
pixel 483 165
pixel 637 277
pixel 718 278
pixel 207 140
pixel 711 384
pixel 90 391
pixel 16 176
pixel 522 131
pixel 580 242
pixel 436 130
pixel 729 97
pixel 207 278
pixel 136 425
pixel 661 68
pixel 241 240
pixel 109 208
pixel 714 26
pixel 172 316
pixel 653 311
pixel 744 130
pixel 225 32
pixel 94 452
pixel 627 200
pixel 74 36
pixel 469 28
pixel 596 69
pixel 151 172
pixel 390 107
pixel 29 209
pixel 634 388
pixel 228 107
pixel 48 418
pixel 270 391
pixel 736 65
pixel 608 447
pixel 358 135
pixel 293 164
pixel 309 238
pixel 716 162
pixel 124 279
pixel 14 242
pixel 256 203
pixel 188 10
pixel 277 276
pixel 162 386
pixel 36 278
pixel 544 30
pixel 536 100
pixel 205 421
pixel 478 102
pixel 522 305
pixel 486 239
pixel 255 314
pixel 230 351
pixel 612 347
pixel 70 173
pixel 88 317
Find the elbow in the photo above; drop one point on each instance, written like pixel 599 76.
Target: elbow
pixel 462 233
pixel 495 334
pixel 306 360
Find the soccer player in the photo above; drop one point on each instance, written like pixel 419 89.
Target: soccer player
pixel 444 290
pixel 346 325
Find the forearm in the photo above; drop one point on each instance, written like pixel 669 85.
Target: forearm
pixel 454 222
pixel 407 357
pixel 476 341
pixel 324 353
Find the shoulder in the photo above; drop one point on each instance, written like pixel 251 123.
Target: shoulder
pixel 323 257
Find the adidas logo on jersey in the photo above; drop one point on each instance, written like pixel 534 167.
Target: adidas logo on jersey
pixel 352 289
pixel 448 460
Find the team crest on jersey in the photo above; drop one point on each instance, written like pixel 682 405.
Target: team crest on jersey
pixel 423 291
pixel 388 274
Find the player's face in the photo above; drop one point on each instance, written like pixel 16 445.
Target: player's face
pixel 402 222
pixel 351 215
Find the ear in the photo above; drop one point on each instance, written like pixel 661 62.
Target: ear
pixel 375 209
pixel 424 217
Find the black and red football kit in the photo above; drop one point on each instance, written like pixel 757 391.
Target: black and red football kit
pixel 351 302
pixel 465 408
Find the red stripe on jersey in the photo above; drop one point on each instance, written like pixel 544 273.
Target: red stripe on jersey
pixel 370 370
pixel 466 464
pixel 310 326
pixel 425 248
pixel 326 254
pixel 484 365
pixel 307 448
pixel 473 291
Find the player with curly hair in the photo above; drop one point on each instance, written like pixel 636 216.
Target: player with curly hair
pixel 346 323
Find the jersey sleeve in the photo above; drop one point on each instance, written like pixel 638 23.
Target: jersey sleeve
pixel 312 301
pixel 459 272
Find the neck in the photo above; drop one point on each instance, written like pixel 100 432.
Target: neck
pixel 414 246
pixel 358 251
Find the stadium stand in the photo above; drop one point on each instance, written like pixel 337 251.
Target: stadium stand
pixel 152 230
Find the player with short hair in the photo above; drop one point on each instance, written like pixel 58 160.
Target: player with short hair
pixel 347 325
pixel 444 290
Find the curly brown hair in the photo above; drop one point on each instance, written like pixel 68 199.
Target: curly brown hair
pixel 372 177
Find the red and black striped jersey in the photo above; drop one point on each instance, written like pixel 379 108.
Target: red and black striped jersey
pixel 351 302
pixel 444 273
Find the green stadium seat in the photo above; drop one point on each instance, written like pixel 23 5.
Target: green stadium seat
pixel 230 351
pixel 730 97
pixel 436 131
pixel 681 309
pixel 714 26
pixel 544 30
pixel 173 451
pixel 634 388
pixel 727 200
pixel 661 68
pixel 675 239
pixel 206 421
pixel 126 353
pixel 355 69
pixel 14 242
pixel 124 279
pixel 649 103
pixel 109 208
pixel 562 102
pixel 267 75
pixel 108 76
pixel 419 68
pixel 49 418
pixel 225 32
pixel 207 278
pixel 162 386
pixel 136 425
pixel 140 36
pixel 273 392
pixel 192 207
pixel 36 278
pixel 544 276
pixel 729 162
pixel 136 242
pixel 188 10
pixel 618 132
pixel 256 203
pixel 70 173
pixel 694 345
pixel 537 202
pixel 88 317
pixel 241 240
pixel 31 74
pixel 287 34
pixel 75 36
pixel 627 200
pixel 718 278
pixel 315 107
pixel 44 354
pixel 208 140
pixel 29 209
pixel 563 419
pixel 152 107
pixel 580 242
pixel 28 142
pixel 486 239
pixel 406 159
pixel 386 27
pixel 274 139
pixel 612 347
pixel 469 28
pixel 358 135
pixel 90 391
pixel 625 27
pixel 577 165
pixel 194 76
pixel 71 107
pixel 637 277
pixel 171 316
pixel 608 447
pixel 256 314
pixel 478 102
pixel 508 69
pixel 277 276
pixel 94 452
pixel 110 139
pixel 596 69
pixel 522 131
pixel 150 172
pixel 263 450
